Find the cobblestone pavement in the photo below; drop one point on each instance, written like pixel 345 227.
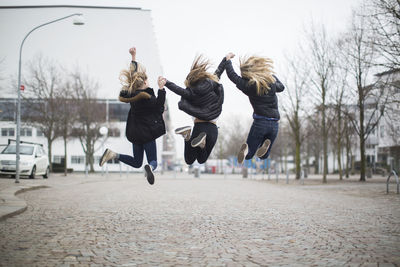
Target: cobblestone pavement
pixel 211 221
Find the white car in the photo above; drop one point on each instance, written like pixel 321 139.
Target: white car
pixel 33 160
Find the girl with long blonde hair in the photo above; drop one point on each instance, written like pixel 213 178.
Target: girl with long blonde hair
pixel 259 83
pixel 145 122
pixel 202 99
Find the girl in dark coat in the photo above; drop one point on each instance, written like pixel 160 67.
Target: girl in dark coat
pixel 261 86
pixel 145 122
pixel 202 99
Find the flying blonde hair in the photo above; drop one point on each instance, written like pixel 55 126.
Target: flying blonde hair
pixel 258 70
pixel 131 79
pixel 198 71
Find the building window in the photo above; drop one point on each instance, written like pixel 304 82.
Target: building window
pixel 77 160
pixel 7 131
pixel 39 132
pixel 26 131
pixel 58 159
pixel 114 132
pixel 382 131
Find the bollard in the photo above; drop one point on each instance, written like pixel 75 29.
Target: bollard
pixel 196 172
pixel 244 172
pixel 86 170
pixel 276 171
pixel 287 176
pixel 302 176
pixel 397 181
pixel 120 170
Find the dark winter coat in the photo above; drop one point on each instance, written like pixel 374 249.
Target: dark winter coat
pixel 204 99
pixel 145 121
pixel 264 105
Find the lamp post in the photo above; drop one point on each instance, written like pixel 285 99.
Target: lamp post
pixel 78 21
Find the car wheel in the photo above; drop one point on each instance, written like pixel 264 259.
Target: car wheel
pixel 46 175
pixel 33 173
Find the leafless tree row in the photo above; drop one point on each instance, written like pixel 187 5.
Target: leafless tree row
pixel 62 104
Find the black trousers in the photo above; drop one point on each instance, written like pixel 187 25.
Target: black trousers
pixel 193 153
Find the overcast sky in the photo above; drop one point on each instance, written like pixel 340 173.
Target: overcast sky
pixel 184 29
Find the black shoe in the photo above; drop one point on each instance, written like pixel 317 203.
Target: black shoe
pixel 200 140
pixel 149 174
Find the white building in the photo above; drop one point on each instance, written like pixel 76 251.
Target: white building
pixel 100 49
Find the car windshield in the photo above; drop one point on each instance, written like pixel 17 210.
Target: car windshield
pixel 23 150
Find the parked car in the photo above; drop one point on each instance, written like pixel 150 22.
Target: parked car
pixel 33 160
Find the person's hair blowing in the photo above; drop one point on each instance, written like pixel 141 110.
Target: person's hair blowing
pixel 133 79
pixel 258 70
pixel 198 72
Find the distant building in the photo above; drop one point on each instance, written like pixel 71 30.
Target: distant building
pixel 116 114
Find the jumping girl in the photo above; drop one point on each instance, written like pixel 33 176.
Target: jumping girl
pixel 202 99
pixel 145 122
pixel 261 86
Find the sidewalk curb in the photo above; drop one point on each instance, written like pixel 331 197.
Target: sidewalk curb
pixel 10 205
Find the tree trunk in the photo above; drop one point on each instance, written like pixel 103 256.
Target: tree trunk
pixel 65 154
pixel 298 167
pixel 49 142
pixel 361 135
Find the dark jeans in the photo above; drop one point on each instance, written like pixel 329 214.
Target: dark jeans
pixel 260 130
pixel 137 159
pixel 193 153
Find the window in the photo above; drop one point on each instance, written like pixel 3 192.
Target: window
pixel 382 131
pixel 26 131
pixel 58 159
pixel 77 160
pixel 39 132
pixel 114 132
pixel 7 131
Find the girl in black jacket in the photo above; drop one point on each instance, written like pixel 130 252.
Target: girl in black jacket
pixel 261 86
pixel 202 99
pixel 145 122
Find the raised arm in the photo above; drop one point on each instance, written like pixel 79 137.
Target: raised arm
pixel 241 83
pixel 221 67
pixel 279 86
pixel 178 90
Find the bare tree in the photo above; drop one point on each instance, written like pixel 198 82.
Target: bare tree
pixel 321 68
pixel 382 19
pixel 91 114
pixel 43 82
pixel 294 105
pixel 359 54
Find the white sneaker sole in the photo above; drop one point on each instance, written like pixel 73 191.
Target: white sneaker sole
pixel 199 139
pixel 262 150
pixel 242 153
pixel 182 129
pixel 103 158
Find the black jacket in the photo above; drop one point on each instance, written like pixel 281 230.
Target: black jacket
pixel 204 99
pixel 264 105
pixel 145 121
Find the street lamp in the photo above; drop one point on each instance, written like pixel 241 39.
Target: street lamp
pixel 77 21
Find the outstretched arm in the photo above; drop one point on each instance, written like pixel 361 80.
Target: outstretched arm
pixel 178 90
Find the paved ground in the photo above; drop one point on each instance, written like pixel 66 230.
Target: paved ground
pixel 211 221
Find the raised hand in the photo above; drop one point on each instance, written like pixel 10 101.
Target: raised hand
pixel 229 56
pixel 161 82
pixel 132 51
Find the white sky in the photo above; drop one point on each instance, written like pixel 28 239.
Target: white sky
pixel 185 28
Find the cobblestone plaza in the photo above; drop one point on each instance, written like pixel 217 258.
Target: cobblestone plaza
pixel 215 220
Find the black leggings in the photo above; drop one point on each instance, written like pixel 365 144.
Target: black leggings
pixel 193 153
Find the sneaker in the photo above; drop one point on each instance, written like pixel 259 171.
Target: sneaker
pixel 200 140
pixel 107 155
pixel 149 174
pixel 263 149
pixel 242 153
pixel 184 131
